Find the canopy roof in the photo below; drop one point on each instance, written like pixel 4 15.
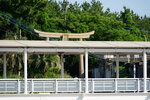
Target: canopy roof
pixel 72 46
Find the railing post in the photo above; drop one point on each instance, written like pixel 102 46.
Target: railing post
pixel 18 83
pixel 56 86
pixel 93 86
pixel 125 84
pixel 138 85
pixel 103 84
pixel 116 86
pixel 6 87
pixel 79 80
pixel 67 85
pixel 32 84
pixel 148 85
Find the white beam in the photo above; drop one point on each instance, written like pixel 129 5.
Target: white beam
pixel 55 50
pixel 4 66
pixel 117 66
pixel 86 71
pixel 25 71
pixel 10 50
pixel 75 50
pixel 62 65
pixel 79 50
pixel 145 70
pixel 94 50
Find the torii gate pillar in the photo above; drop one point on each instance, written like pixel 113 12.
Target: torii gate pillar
pixel 81 67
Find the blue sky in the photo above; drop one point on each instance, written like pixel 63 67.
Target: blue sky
pixel 141 7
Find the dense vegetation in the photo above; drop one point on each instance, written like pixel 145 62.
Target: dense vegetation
pixel 49 15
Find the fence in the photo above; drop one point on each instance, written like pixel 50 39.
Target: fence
pixel 96 85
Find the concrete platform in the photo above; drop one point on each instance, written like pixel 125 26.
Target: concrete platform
pixel 76 96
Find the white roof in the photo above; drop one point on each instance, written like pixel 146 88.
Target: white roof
pixel 73 47
pixel 73 44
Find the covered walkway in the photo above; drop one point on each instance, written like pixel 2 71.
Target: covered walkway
pixel 85 85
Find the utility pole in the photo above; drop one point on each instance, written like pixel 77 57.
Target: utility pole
pixel 65 5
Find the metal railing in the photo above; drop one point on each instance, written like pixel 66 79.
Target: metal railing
pixel 96 85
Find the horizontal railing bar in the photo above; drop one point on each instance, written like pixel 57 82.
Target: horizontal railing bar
pixel 69 78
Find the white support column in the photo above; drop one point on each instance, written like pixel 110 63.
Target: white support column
pixel 86 71
pixel 117 66
pixel 145 71
pixel 25 71
pixel 4 66
pixel 62 65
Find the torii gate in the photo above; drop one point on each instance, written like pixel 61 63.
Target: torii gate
pixel 66 37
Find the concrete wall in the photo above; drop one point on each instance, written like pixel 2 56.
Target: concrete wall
pixel 101 96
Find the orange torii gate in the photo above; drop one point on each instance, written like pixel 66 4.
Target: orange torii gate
pixel 66 37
